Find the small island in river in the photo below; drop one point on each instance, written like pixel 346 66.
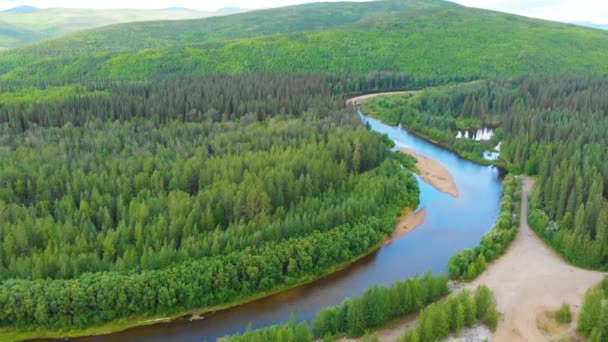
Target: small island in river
pixel 433 173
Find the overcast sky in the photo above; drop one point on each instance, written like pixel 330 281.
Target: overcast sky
pixel 561 10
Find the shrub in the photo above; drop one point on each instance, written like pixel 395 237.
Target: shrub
pixel 563 315
pixel 590 312
pixel 486 307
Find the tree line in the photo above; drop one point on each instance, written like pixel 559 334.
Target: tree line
pixel 378 306
pixel 437 319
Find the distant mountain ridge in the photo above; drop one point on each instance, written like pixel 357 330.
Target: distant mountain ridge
pixel 22 9
pixel 423 39
pixel 255 23
pixel 591 24
pixel 26 24
pixel 230 10
pixel 177 9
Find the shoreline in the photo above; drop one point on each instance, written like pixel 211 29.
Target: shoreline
pixel 432 172
pixel 357 100
pixel 406 223
pixel 121 325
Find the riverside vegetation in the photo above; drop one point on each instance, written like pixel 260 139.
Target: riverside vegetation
pixel 381 305
pixel 470 263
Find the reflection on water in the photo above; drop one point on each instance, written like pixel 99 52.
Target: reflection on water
pixel 451 224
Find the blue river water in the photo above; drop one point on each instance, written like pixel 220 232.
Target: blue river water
pixel 451 224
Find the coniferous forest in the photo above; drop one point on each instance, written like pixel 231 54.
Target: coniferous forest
pixel 168 168
pixel 150 199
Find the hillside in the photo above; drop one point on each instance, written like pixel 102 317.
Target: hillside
pixel 25 25
pixel 301 18
pixel 440 44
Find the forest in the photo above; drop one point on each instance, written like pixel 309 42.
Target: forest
pixel 124 200
pixel 593 319
pixel 156 32
pixel 329 40
pixel 156 169
pixel 553 128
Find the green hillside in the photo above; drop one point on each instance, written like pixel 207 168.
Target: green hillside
pixel 447 44
pixel 307 17
pixel 18 28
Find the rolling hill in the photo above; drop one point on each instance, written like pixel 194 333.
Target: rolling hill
pixel 428 40
pixel 301 18
pixel 24 25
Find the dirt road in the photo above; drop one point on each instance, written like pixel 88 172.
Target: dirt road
pixel 531 279
pixel 359 99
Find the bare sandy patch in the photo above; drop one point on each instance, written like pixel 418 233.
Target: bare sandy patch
pixel 478 333
pixel 546 323
pixel 390 333
pixel 434 173
pixel 531 279
pixel 407 222
pixel 395 331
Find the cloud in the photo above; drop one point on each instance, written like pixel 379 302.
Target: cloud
pixel 209 5
pixel 560 10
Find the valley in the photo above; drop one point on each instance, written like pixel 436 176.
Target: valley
pixel 405 169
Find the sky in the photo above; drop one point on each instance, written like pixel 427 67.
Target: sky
pixel 560 10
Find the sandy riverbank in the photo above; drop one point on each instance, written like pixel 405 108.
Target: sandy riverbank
pixel 434 173
pixel 407 222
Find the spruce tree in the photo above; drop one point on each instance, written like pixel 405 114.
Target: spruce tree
pixel 459 319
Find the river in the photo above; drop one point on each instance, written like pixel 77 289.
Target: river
pixel 451 224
